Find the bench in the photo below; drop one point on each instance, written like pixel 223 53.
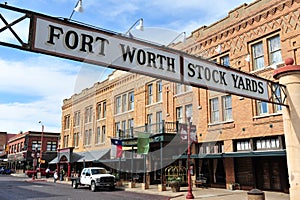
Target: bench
pixel 201 183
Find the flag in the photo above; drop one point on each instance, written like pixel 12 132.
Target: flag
pixel 143 143
pixel 116 148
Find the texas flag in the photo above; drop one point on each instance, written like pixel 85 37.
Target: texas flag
pixel 116 148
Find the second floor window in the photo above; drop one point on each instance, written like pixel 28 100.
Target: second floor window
pixel 51 146
pixel 67 122
pixel 227 107
pixel 118 105
pixel 150 94
pixel 77 118
pixel 130 101
pixel 88 114
pixel 159 91
pixel 274 50
pixel 179 114
pixel 258 56
pixel 214 107
pixel 266 52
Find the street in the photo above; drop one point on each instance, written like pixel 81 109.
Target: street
pixel 16 188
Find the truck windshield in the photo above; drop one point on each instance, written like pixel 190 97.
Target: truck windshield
pixel 98 171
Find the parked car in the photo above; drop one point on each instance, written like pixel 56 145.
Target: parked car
pixel 5 171
pixel 29 173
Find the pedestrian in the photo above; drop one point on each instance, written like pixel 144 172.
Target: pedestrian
pixel 47 172
pixel 62 173
pixel 55 176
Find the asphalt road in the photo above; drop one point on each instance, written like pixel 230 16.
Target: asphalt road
pixel 16 188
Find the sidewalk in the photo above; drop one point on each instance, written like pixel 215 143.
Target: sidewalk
pixel 199 193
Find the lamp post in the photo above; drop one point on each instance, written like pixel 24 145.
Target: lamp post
pixel 42 138
pixel 34 155
pixel 190 193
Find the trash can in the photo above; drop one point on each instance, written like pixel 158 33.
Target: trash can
pixel 256 194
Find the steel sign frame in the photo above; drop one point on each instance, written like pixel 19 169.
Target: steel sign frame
pixel 81 42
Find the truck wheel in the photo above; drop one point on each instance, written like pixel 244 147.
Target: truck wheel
pixel 112 188
pixel 74 184
pixel 93 186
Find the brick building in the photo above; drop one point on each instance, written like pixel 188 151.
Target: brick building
pixel 23 145
pixel 240 140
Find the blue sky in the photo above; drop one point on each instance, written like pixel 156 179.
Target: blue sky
pixel 33 86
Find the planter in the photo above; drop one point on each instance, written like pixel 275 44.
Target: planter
pixel 175 186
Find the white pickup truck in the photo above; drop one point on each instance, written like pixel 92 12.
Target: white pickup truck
pixel 94 177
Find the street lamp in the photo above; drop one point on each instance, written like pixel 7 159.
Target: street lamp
pixel 42 138
pixel 190 193
pixel 183 39
pixel 78 8
pixel 34 155
pixel 138 27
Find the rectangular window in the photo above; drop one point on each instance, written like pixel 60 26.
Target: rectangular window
pixel 75 139
pixel 67 122
pixel 227 108
pixel 103 135
pixel 159 121
pixel 262 108
pixel 214 110
pixel 274 50
pixel 150 94
pixel 224 60
pixel 130 126
pixel 99 110
pixel 98 136
pixel 270 143
pixel 66 141
pixel 51 146
pixel 124 102
pixel 77 118
pixel 159 91
pixel 258 56
pixel 88 114
pixel 90 136
pixel 104 110
pixel 35 145
pixel 123 127
pixel 117 129
pixel 86 137
pixel 131 101
pixel 243 146
pixel 179 114
pixel 118 105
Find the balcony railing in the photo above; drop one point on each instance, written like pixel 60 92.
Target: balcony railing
pixel 152 129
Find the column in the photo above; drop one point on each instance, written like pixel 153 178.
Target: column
pixel 290 77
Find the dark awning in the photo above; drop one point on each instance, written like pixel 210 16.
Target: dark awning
pixel 235 154
pixel 86 156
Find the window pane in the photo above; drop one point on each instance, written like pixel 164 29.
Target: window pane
pixel 159 91
pixel 214 107
pixel 118 105
pixel 274 50
pixel 150 94
pixel 225 61
pixel 258 56
pixel 227 107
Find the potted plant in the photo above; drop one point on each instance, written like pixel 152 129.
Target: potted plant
pixel 175 184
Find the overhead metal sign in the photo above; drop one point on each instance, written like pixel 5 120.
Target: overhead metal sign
pixel 62 38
